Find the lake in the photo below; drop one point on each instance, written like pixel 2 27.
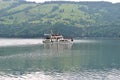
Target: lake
pixel 84 59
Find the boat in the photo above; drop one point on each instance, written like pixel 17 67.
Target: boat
pixel 56 38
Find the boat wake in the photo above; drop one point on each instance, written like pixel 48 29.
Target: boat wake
pixel 17 42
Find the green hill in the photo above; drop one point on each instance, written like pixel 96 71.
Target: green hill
pixel 75 19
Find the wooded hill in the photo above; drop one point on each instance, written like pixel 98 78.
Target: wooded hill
pixel 19 18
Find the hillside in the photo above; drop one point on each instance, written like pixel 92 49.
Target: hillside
pixel 75 19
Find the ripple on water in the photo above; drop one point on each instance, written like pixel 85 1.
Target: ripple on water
pixel 85 41
pixel 81 75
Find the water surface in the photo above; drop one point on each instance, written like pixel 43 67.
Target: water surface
pixel 86 59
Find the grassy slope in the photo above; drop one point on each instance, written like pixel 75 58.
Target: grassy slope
pixel 44 13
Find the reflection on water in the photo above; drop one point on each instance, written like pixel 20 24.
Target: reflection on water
pixel 33 58
pixel 56 48
pixel 82 60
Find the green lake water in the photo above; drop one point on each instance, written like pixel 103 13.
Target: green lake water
pixel 85 59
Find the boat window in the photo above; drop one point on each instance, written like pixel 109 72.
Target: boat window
pixel 48 37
